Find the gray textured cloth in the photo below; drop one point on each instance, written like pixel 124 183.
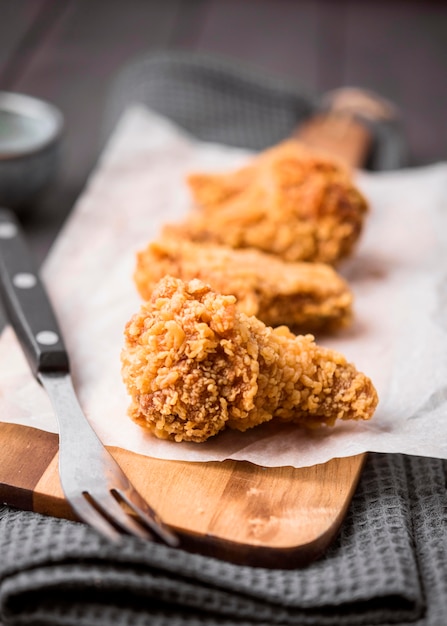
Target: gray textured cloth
pixel 388 566
pixel 219 100
pixel 389 562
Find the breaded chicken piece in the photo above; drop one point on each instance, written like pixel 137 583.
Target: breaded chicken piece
pixel 289 201
pixel 304 296
pixel 193 365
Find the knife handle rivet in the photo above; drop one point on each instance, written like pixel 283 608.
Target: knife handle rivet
pixel 47 337
pixel 8 230
pixel 24 280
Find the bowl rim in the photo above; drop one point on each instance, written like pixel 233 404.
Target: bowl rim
pixel 36 108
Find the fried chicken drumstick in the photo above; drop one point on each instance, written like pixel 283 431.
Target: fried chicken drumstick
pixel 289 201
pixel 304 296
pixel 193 365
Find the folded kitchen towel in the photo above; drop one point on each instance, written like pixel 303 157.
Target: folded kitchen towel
pixel 389 562
pixel 227 102
pixel 387 566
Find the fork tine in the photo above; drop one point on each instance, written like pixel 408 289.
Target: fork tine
pixel 147 516
pixel 111 509
pixel 92 469
pixel 88 514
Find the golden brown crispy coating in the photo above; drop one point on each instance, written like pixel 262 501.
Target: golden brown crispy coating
pixel 289 201
pixel 305 296
pixel 193 364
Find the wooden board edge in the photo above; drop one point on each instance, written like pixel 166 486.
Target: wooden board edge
pixel 43 494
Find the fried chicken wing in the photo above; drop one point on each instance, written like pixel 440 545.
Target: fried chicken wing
pixel 289 201
pixel 305 296
pixel 193 365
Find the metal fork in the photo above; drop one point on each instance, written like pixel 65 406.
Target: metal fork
pixel 98 491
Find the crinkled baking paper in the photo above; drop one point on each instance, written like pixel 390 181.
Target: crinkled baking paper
pixel 398 274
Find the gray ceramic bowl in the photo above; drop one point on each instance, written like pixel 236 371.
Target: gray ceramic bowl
pixel 30 137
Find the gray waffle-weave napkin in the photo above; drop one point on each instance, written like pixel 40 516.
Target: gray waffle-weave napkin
pixel 388 566
pixel 389 563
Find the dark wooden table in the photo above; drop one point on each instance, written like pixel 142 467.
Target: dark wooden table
pixel 68 52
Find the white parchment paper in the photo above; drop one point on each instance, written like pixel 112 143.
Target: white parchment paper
pixel 398 275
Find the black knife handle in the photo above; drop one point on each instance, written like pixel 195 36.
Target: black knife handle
pixel 26 302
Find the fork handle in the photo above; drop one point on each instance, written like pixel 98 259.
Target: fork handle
pixel 26 302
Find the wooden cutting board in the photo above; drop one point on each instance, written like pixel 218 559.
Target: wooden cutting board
pixel 273 517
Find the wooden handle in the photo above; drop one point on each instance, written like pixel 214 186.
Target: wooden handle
pixel 340 127
pixel 339 134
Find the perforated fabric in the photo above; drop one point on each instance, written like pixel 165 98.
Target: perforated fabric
pixel 389 562
pixel 232 103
